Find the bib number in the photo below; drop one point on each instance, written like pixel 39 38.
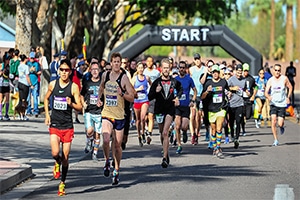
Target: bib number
pixel 159 118
pixel 111 100
pixel 93 99
pixel 183 97
pixel 141 96
pixel 217 98
pixel 60 103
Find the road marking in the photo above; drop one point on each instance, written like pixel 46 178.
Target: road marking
pixel 283 192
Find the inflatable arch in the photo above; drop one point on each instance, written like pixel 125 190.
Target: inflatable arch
pixel 215 35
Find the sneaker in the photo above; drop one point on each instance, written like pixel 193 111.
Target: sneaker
pixel 179 150
pixel 276 143
pixel 149 139
pixel 236 144
pixel 210 146
pixel 94 157
pixel 88 146
pixel 256 123
pixel 207 136
pixel 174 143
pixel 1 118
pixel 184 137
pixel 106 170
pixel 140 142
pixel 171 137
pixel 196 140
pixel 226 140
pixel 6 118
pixel 164 163
pixel 219 154
pixel 281 130
pixel 61 189
pixel 193 140
pixel 56 170
pixel 115 178
pixel 244 134
pixel 144 138
pixel 77 121
pixel 25 118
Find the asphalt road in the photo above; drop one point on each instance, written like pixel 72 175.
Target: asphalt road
pixel 251 172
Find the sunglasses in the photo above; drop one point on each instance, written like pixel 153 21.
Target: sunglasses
pixel 227 73
pixel 181 67
pixel 277 70
pixel 64 69
pixel 107 69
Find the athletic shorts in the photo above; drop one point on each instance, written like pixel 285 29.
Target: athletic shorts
pixel 247 109
pixel 151 106
pixel 4 89
pixel 65 135
pixel 183 111
pixel 93 120
pixel 278 111
pixel 139 105
pixel 212 116
pixel 118 124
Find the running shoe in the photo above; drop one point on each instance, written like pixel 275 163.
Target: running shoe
pixel 6 118
pixel 276 143
pixel 226 140
pixel 25 118
pixel 184 137
pixel 77 121
pixel 88 146
pixel 140 142
pixel 256 123
pixel 196 140
pixel 244 133
pixel 56 170
pixel 236 144
pixel 171 135
pixel 219 153
pixel 207 136
pixel 210 146
pixel 149 139
pixel 193 140
pixel 94 157
pixel 61 189
pixel 281 130
pixel 106 170
pixel 144 138
pixel 115 178
pixel 174 143
pixel 164 163
pixel 1 118
pixel 179 150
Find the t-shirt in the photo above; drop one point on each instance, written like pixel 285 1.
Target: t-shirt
pixel 153 74
pixel 236 99
pixel 23 70
pixel 187 84
pixel 33 73
pixel 250 84
pixel 90 93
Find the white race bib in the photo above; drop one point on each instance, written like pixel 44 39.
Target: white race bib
pixel 183 97
pixel 111 100
pixel 141 96
pixel 217 98
pixel 160 118
pixel 93 99
pixel 60 103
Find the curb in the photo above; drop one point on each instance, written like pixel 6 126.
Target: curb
pixel 14 177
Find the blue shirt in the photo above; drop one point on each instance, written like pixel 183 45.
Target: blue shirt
pixel 33 73
pixel 187 83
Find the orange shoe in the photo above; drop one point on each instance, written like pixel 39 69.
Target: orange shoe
pixel 56 170
pixel 61 189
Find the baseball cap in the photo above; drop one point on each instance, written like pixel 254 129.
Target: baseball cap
pixel 197 56
pixel 239 66
pixel 246 67
pixel 31 55
pixel 80 56
pixel 215 68
pixel 56 55
pixel 64 53
pixel 81 63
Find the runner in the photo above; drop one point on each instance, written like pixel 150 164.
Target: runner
pixel 92 113
pixel 141 104
pixel 115 87
pixel 165 90
pixel 182 112
pixel 214 92
pixel 277 86
pixel 65 98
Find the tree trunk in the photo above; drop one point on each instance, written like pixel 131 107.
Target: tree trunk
pixel 289 33
pixel 297 53
pixel 272 31
pixel 23 25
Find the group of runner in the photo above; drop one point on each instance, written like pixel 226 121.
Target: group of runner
pixel 218 95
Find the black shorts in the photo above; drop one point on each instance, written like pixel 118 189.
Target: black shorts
pixel 4 89
pixel 247 110
pixel 183 111
pixel 278 111
pixel 151 106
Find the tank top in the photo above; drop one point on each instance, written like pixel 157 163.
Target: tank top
pixel 278 92
pixel 196 73
pixel 113 102
pixel 261 84
pixel 142 95
pixel 61 115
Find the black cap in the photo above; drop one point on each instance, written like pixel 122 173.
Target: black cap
pixel 171 59
pixel 197 56
pixel 239 66
pixel 56 55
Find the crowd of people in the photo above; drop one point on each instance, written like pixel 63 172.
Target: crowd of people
pixel 179 97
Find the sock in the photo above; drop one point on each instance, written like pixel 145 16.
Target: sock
pixel 96 146
pixel 213 141
pixel 57 158
pixel 6 109
pixel 64 171
pixel 219 139
pixel 116 172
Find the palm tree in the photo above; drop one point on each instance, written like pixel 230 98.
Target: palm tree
pixel 272 30
pixel 289 30
pixel 297 53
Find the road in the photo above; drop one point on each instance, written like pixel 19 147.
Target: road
pixel 251 172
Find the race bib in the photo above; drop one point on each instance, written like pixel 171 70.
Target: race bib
pixel 200 104
pixel 217 98
pixel 141 96
pixel 260 93
pixel 60 103
pixel 239 92
pixel 5 84
pixel 183 97
pixel 159 118
pixel 111 100
pixel 93 99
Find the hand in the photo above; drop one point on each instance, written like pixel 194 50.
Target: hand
pixel 119 91
pixel 252 98
pixel 191 104
pixel 47 120
pixel 209 88
pixel 288 100
pixel 140 88
pixel 176 101
pixel 69 102
pixel 158 88
pixel 84 105
pixel 99 103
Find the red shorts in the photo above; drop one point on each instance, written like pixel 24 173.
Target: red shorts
pixel 139 105
pixel 65 135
